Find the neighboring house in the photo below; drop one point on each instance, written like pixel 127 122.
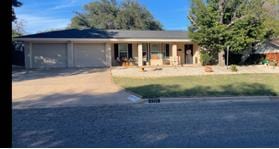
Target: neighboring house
pixel 105 48
pixel 269 49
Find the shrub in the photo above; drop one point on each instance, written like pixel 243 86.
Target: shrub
pixel 265 61
pixel 233 68
pixel 273 63
pixel 208 58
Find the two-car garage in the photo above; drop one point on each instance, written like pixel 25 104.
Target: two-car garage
pixel 58 55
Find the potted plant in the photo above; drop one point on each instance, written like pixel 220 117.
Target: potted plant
pixel 207 68
pixel 142 69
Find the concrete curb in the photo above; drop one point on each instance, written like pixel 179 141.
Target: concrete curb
pixel 210 98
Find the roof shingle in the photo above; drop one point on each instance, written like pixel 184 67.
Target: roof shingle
pixel 116 34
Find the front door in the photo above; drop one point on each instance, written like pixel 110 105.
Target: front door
pixel 188 49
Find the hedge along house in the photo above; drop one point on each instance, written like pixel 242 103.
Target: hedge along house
pixel 105 48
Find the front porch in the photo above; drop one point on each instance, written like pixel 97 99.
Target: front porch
pixel 155 54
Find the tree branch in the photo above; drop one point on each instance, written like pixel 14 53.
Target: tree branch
pixel 235 20
pixel 192 20
pixel 221 10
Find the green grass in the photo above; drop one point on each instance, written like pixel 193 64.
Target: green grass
pixel 210 85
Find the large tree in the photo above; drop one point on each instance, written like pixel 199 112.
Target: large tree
pixel 17 28
pixel 134 16
pixel 15 3
pixel 107 14
pixel 237 24
pixel 17 25
pixel 271 12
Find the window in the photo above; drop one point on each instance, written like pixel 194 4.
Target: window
pixel 145 52
pixel 165 50
pixel 123 50
pixel 155 51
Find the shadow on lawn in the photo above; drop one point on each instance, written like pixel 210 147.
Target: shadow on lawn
pixel 239 89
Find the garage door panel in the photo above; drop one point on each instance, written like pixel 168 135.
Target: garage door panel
pixel 89 55
pixel 49 55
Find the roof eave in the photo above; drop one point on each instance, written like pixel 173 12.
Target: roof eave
pixel 104 39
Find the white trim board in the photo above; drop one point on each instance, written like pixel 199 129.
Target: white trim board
pixel 102 40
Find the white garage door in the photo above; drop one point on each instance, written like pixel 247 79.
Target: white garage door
pixel 46 55
pixel 89 55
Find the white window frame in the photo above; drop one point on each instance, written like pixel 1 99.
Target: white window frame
pixel 120 46
pixel 159 52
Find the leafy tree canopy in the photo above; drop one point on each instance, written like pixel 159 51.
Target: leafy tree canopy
pixel 17 25
pixel 17 28
pixel 107 14
pixel 15 3
pixel 239 24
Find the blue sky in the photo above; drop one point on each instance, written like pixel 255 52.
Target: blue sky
pixel 39 15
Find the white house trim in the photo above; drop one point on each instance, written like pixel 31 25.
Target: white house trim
pixel 30 55
pixel 101 40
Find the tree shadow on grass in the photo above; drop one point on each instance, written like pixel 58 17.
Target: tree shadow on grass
pixel 239 89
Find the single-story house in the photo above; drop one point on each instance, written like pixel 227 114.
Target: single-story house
pixel 270 49
pixel 105 48
pixel 271 46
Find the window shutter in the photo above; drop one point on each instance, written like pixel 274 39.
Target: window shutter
pixel 192 51
pixel 130 51
pixel 115 51
pixel 167 50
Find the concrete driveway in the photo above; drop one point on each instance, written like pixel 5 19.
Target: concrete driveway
pixel 65 87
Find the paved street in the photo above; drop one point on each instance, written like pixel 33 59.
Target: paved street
pixel 191 124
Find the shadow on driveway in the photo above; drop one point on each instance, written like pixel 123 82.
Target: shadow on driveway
pixel 19 74
pixel 72 100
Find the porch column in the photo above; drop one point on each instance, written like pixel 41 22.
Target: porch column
pixel 30 55
pixel 140 54
pixel 174 54
pixel 70 54
pixel 108 54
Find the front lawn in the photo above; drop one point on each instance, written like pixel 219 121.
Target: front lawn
pixel 210 85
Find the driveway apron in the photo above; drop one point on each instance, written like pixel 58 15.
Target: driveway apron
pixel 68 87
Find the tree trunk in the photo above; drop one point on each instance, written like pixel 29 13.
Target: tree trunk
pixel 221 11
pixel 221 59
pixel 246 54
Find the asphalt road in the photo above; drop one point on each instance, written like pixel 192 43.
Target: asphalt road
pixel 191 124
